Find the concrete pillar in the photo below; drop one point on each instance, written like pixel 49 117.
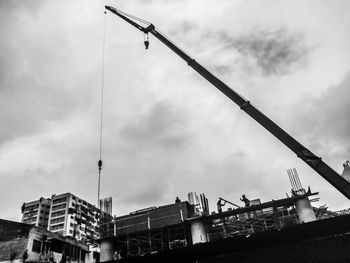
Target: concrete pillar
pixel 346 172
pixel 198 232
pixel 107 250
pixel 304 210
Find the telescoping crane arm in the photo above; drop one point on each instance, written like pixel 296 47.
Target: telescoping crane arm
pixel 303 153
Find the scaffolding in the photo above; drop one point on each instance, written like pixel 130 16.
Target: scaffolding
pixel 247 223
pixel 158 229
pixel 152 241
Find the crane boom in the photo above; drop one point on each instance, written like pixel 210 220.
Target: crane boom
pixel 302 152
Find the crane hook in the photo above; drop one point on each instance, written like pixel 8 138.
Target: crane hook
pixel 100 165
pixel 146 41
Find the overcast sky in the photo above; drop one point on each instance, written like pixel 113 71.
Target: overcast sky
pixel 166 130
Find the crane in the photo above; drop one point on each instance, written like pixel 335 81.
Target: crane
pixel 314 161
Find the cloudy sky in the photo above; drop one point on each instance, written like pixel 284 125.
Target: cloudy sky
pixel 167 131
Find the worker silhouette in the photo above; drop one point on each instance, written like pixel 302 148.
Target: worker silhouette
pixel 245 200
pixel 177 200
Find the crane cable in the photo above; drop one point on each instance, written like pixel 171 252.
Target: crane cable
pixel 133 17
pixel 102 91
pixel 101 116
pixel 147 23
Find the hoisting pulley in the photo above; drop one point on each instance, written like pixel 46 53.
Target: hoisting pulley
pixel 146 41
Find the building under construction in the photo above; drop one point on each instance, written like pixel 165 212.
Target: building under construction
pixel 160 232
pixel 258 232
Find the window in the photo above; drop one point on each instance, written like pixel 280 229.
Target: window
pixel 36 246
pixel 30 220
pixel 59 213
pixel 59 200
pixel 57 220
pixel 57 207
pixel 56 227
pixel 31 207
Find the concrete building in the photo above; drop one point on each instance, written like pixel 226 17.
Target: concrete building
pixel 106 205
pixel 182 224
pixel 65 214
pixel 326 240
pixel 36 212
pixel 146 231
pixel 21 242
pixel 73 216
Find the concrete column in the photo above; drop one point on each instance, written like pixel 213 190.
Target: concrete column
pixel 198 232
pixel 107 250
pixel 304 210
pixel 346 172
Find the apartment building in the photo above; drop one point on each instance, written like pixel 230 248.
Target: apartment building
pixel 73 216
pixel 65 214
pixel 36 212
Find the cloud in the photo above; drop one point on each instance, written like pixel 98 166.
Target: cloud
pixel 31 109
pixel 166 132
pixel 37 85
pixel 147 192
pixel 275 52
pixel 15 5
pixel 334 106
pixel 272 52
pixel 183 29
pixel 325 119
pixel 163 125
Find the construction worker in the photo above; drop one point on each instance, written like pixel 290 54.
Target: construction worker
pixel 245 200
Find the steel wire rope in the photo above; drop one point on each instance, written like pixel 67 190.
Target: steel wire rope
pixel 133 17
pixel 101 110
pixel 149 23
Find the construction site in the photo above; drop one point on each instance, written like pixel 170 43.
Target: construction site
pixel 186 231
pixel 290 228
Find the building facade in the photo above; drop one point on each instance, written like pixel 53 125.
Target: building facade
pixel 73 216
pixel 36 212
pixel 65 214
pixel 185 224
pixel 106 205
pixel 21 242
